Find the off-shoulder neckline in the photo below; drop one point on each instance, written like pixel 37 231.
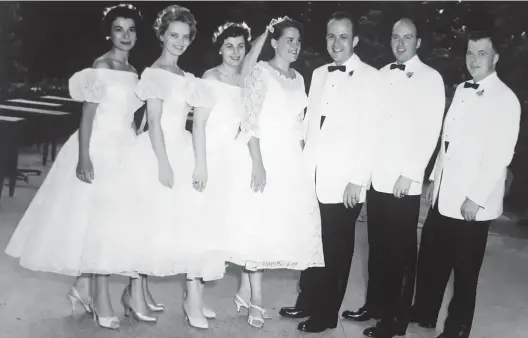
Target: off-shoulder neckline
pixel 185 74
pixel 115 70
pixel 223 83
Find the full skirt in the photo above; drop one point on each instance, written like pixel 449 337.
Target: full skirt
pixel 72 227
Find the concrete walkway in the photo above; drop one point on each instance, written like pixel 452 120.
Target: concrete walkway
pixel 34 305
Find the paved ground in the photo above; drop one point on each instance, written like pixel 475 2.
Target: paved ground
pixel 33 305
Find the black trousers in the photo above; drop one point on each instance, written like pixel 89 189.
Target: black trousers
pixel 392 236
pixel 322 289
pixel 447 245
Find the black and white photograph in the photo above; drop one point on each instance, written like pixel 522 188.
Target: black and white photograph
pixel 263 169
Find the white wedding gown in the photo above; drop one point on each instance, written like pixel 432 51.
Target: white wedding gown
pixel 281 227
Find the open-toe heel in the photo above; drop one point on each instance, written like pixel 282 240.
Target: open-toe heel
pixel 257 322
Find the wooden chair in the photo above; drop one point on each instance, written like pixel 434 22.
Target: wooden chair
pixel 10 130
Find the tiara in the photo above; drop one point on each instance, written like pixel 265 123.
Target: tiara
pixel 273 22
pixel 172 9
pixel 226 25
pixel 129 6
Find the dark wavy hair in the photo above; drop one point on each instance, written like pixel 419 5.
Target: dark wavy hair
pixel 268 52
pixel 172 14
pixel 278 29
pixel 232 32
pixel 121 12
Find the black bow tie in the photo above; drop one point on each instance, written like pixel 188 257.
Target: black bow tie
pixel 339 68
pixel 394 66
pixel 471 85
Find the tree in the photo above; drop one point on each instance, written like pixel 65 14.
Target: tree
pixel 10 69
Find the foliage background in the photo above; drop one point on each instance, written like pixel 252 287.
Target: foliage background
pixel 44 43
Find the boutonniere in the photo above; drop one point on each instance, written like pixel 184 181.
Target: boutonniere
pixel 350 73
pixel 480 92
pixel 410 74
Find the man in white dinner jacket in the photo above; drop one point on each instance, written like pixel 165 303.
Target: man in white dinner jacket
pixel 340 123
pixel 414 103
pixel 478 142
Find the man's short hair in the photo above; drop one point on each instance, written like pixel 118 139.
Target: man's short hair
pixel 343 15
pixel 476 35
pixel 414 21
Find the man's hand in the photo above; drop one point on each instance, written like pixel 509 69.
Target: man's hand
pixel 351 195
pixel 469 210
pixel 402 186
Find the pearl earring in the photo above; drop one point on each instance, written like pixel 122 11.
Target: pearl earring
pixel 107 38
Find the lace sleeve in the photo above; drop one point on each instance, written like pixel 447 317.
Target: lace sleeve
pixel 254 94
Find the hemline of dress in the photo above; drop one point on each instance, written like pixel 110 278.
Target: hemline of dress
pixel 133 274
pixel 274 265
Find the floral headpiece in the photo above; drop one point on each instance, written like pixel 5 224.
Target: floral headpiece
pixel 129 6
pixel 273 22
pixel 172 9
pixel 226 25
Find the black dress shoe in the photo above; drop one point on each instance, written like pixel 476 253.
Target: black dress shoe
pixel 424 324
pixel 315 325
pixel 383 331
pixel 293 312
pixel 360 315
pixel 415 318
pixel 462 332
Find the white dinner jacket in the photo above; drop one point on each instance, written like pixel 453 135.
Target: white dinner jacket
pixel 482 127
pixel 410 125
pixel 340 152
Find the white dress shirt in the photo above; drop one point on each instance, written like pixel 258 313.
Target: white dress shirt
pixel 410 124
pixel 333 86
pixel 340 151
pixel 482 127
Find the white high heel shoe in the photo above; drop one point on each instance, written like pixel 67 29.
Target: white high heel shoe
pixel 138 316
pixel 111 323
pixel 199 323
pixel 207 312
pixel 239 302
pixel 257 322
pixel 75 298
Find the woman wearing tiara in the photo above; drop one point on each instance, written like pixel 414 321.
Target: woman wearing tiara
pixel 274 217
pixel 162 162
pixel 215 129
pixel 77 222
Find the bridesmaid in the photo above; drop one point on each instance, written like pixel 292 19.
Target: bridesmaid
pixel 76 223
pixel 174 241
pixel 274 216
pixel 215 129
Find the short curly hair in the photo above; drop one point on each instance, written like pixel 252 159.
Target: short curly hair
pixel 172 14
pixel 231 32
pixel 120 11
